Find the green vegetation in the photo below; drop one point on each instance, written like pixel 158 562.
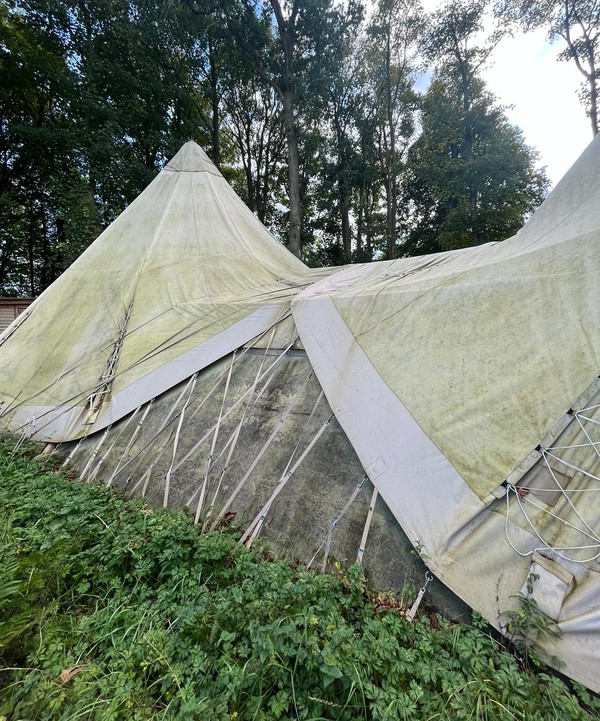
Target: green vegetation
pixel 309 108
pixel 112 610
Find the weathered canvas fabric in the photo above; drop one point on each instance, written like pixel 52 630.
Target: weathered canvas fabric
pixel 466 382
pixel 182 277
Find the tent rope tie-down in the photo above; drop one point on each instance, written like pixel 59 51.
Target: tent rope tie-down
pixel 24 435
pixel 278 426
pixel 170 418
pixel 365 535
pixel 145 477
pixel 232 442
pixel 106 454
pixel 246 399
pixel 268 375
pixel 253 530
pixel 334 524
pixel 192 385
pixel 580 526
pixel 72 453
pixel 213 444
pixel 131 441
pixel 412 612
pixel 94 453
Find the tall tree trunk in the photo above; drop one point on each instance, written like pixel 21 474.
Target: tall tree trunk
pixel 360 219
pixel 291 132
pixel 286 92
pixel 468 146
pixel 391 187
pixel 343 189
pixel 589 45
pixel 214 102
pixel 345 212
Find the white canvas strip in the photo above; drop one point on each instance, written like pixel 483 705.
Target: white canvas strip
pixel 193 360
pixel 64 423
pixel 399 458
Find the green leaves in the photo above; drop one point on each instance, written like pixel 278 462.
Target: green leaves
pixel 163 623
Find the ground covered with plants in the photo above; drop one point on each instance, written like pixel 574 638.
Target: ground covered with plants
pixel 111 610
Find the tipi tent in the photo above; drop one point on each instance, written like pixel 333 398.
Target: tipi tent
pixel 193 359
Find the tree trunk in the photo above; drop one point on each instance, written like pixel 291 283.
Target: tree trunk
pixel 295 229
pixel 589 45
pixel 391 188
pixel 30 251
pixel 214 102
pixel 286 92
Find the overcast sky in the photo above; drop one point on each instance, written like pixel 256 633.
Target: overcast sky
pixel 526 74
pixel 541 97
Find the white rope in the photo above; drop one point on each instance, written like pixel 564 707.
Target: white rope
pixel 363 541
pixel 570 465
pixel 269 377
pixel 213 445
pixel 545 545
pixel 587 435
pixel 280 422
pixel 254 528
pixel 71 455
pixel 335 522
pixel 134 435
pixel 568 500
pixel 146 475
pixel 102 460
pixel 236 434
pixel 94 453
pixel 176 441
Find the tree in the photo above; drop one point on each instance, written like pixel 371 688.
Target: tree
pixel 95 98
pixel 577 23
pixel 46 215
pixel 254 121
pixel 471 177
pixel 394 29
pixel 292 45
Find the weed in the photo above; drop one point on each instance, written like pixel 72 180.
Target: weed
pixel 113 612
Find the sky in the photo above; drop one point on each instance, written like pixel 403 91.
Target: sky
pixel 539 93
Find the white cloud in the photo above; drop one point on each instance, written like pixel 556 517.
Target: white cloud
pixel 542 93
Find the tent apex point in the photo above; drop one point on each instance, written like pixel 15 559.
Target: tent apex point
pixel 191 159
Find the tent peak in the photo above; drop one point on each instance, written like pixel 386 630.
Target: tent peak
pixel 191 159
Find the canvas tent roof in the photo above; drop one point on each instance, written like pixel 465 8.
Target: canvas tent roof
pixel 458 377
pixel 183 276
pixel 466 382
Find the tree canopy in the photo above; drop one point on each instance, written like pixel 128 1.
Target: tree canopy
pixel 314 111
